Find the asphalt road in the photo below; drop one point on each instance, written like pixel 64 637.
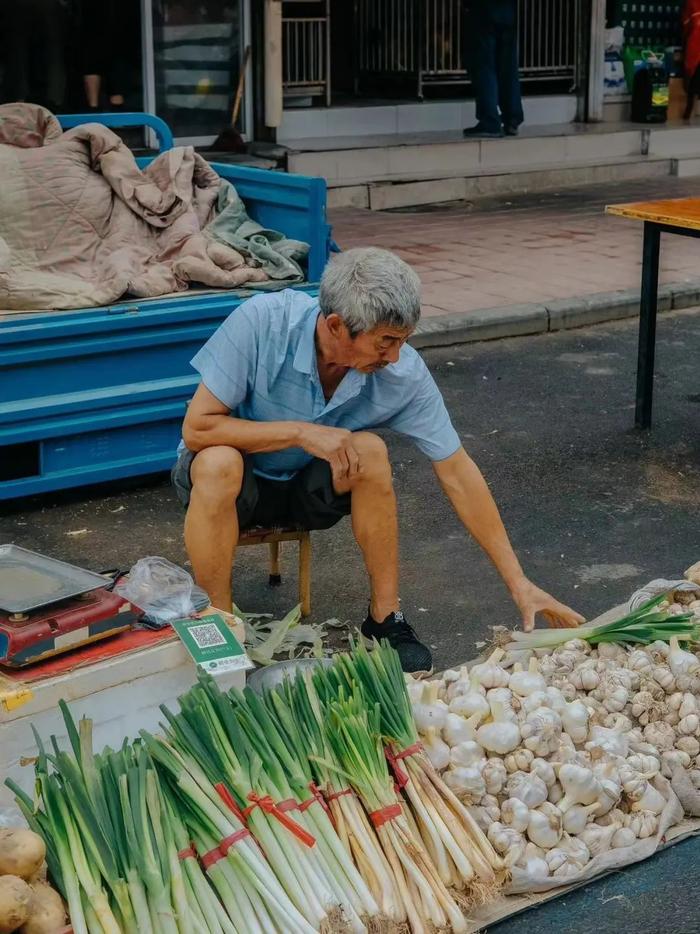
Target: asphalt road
pixel 594 509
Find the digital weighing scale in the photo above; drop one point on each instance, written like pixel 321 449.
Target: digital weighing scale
pixel 48 607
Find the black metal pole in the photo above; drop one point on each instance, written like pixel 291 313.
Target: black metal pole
pixel 647 325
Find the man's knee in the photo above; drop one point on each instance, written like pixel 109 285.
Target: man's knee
pixel 218 470
pixel 374 455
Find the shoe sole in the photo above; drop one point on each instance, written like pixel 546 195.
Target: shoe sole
pixel 421 675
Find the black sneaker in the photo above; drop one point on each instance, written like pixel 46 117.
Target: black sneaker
pixel 479 132
pixel 416 658
pixel 511 129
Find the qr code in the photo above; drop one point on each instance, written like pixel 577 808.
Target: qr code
pixel 207 636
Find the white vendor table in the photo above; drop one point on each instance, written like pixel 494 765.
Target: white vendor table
pixel 121 695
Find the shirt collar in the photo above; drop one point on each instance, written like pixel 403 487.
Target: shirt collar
pixel 305 355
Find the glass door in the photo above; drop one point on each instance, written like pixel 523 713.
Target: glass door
pixel 193 53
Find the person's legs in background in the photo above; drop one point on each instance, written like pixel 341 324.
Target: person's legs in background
pixel 507 69
pixel 482 47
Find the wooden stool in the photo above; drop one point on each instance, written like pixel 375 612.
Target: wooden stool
pixel 273 537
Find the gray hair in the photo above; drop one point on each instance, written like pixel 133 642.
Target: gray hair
pixel 368 287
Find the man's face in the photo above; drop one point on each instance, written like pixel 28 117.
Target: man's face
pixel 367 352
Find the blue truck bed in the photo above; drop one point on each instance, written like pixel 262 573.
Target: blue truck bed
pixel 99 394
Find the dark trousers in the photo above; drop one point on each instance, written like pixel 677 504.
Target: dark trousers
pixel 493 42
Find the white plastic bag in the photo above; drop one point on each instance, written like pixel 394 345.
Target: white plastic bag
pixel 161 589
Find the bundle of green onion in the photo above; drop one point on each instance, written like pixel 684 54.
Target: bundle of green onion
pixel 645 625
pixel 310 808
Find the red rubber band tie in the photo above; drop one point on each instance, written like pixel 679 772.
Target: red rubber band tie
pixel 212 857
pixel 394 759
pixel 268 805
pixel 289 804
pixel 384 815
pixel 332 795
pixel 228 800
pixel 187 852
pixel 236 837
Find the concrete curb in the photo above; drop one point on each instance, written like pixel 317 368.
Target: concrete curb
pixel 562 314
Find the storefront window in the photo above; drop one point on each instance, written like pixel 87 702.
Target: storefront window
pixel 197 48
pixel 71 55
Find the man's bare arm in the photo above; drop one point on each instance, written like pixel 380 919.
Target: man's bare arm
pixel 208 424
pixel 471 498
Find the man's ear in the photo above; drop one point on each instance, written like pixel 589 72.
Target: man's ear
pixel 336 326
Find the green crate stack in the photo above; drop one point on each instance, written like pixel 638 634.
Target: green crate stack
pixel 648 23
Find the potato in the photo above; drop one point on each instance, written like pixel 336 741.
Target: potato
pixel 15 897
pixel 22 853
pixel 46 912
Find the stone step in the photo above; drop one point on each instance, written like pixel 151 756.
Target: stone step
pixel 429 156
pixel 685 168
pixel 382 195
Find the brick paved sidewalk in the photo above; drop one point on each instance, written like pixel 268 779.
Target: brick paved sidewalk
pixel 522 249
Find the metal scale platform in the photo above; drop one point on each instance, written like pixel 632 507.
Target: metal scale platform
pixel 48 607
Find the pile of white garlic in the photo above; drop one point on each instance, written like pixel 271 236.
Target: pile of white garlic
pixel 557 758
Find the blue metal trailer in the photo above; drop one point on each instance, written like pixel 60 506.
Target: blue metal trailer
pixel 99 394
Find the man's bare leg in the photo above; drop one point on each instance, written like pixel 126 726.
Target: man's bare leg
pixel 211 524
pixel 375 523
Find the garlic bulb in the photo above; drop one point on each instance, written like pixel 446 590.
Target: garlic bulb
pixel 609 796
pixel 597 838
pixel 647 766
pixel 452 674
pixel 577 816
pixel 661 735
pixel 580 786
pixel 494 775
pixel 585 679
pixel 575 849
pixel 618 722
pixel 489 803
pixel 614 816
pixel 544 770
pixel 690 725
pixel 611 650
pixel 507 842
pixel 501 736
pixel 672 759
pixel 651 801
pixel 555 859
pixel 574 719
pixel 533 867
pixel 643 824
pixel 658 651
pixel 694 776
pixel 580 646
pixel 516 814
pixel 638 660
pixel 489 673
pixel 467 754
pixel 647 709
pixel 507 700
pixel 519 760
pixel 541 730
pixel 528 788
pixel 623 836
pixel 609 741
pixel 680 661
pixel 545 826
pixel 687 705
pixel 524 683
pixel 458 730
pixel 616 699
pixel 436 750
pixel 664 678
pixel 414 689
pixel 430 711
pixel 470 703
pixel 555 793
pixel 688 744
pixel 465 783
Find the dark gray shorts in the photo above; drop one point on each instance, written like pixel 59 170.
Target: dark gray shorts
pixel 307 501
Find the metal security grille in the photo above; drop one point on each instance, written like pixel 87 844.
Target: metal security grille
pixel 421 42
pixel 306 49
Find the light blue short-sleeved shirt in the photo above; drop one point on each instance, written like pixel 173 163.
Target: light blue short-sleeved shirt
pixel 261 364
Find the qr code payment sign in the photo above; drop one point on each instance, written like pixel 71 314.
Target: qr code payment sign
pixel 207 636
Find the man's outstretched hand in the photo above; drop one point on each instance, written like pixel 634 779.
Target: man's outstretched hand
pixel 531 600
